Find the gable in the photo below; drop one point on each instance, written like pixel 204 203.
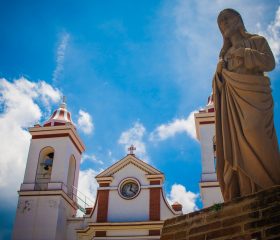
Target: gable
pixel 129 159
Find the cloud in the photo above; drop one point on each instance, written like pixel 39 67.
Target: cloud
pixel 87 186
pixel 85 122
pixel 272 34
pixel 20 102
pixel 181 195
pixel 194 40
pixel 91 158
pixel 168 130
pixel 135 136
pixel 60 55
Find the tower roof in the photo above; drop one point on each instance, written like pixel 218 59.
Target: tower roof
pixel 209 106
pixel 60 116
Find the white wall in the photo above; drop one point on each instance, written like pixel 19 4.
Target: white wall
pixel 207 132
pixel 137 209
pixel 63 148
pixel 165 211
pixel 210 196
pixel 41 217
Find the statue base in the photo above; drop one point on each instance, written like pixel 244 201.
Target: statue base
pixel 255 216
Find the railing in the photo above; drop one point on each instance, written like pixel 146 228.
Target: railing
pixel 82 200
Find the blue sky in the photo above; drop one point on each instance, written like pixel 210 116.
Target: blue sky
pixel 132 72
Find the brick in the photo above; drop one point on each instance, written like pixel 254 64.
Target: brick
pixel 252 206
pixel 263 222
pixel 272 231
pixel 180 235
pixel 256 235
pixel 180 218
pixel 167 237
pixel 240 219
pixel 242 237
pixel 274 210
pixel 196 221
pixel 198 237
pixel 170 221
pixel 223 232
pixel 180 227
pixel 225 212
pixel 205 228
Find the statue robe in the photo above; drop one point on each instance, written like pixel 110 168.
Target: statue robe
pixel 248 156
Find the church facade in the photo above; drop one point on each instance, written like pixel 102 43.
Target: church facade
pixel 130 201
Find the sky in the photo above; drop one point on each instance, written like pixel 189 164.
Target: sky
pixel 133 72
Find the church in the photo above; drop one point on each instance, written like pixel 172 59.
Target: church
pixel 130 200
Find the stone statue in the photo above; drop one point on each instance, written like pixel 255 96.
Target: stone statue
pixel 248 158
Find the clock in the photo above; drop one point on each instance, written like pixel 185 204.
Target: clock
pixel 129 188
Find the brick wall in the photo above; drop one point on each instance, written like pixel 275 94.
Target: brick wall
pixel 251 217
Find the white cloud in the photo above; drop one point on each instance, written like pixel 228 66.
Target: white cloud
pixel 85 122
pixel 272 34
pixel 60 55
pixel 194 39
pixel 91 158
pixel 19 109
pixel 168 130
pixel 186 198
pixel 135 136
pixel 88 185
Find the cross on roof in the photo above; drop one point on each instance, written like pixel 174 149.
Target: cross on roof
pixel 131 149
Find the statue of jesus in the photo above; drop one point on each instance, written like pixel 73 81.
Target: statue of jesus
pixel 248 158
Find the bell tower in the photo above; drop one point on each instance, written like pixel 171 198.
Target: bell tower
pixel 47 196
pixel 205 131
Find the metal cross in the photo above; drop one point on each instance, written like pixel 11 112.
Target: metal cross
pixel 131 149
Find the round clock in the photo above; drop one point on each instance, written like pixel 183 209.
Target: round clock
pixel 129 188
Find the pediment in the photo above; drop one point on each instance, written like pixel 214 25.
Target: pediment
pixel 129 159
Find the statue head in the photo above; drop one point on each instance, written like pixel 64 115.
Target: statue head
pixel 230 22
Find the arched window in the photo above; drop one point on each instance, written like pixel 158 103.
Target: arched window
pixel 44 168
pixel 71 177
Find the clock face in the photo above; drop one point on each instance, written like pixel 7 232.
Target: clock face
pixel 129 189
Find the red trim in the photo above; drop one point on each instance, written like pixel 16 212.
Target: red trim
pixel 88 210
pixel 68 116
pixel 104 184
pixel 207 122
pixel 155 182
pixel 154 232
pixel 155 204
pixel 100 234
pixel 102 210
pixel 59 123
pixel 61 115
pixel 177 207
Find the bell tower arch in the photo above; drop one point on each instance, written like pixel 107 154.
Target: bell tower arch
pixel 47 195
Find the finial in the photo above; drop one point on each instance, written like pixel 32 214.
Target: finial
pixel 63 104
pixel 131 149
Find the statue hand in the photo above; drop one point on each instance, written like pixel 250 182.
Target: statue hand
pixel 239 53
pixel 221 64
